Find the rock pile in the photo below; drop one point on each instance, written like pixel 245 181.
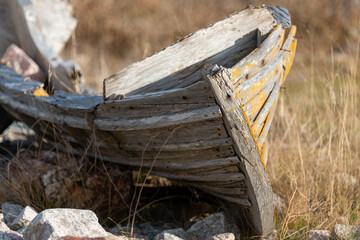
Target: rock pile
pixel 24 223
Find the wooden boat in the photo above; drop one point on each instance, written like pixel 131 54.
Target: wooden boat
pixel 197 112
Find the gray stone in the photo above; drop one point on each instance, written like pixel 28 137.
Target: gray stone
pixel 7 234
pixel 209 226
pixel 319 235
pixel 173 234
pixel 147 229
pixel 18 60
pixel 54 224
pixel 10 211
pixel 121 230
pixel 345 232
pixel 3 236
pixel 348 180
pixel 23 219
pixel 21 230
pixel 223 236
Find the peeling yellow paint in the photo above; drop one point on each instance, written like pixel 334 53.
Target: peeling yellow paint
pixel 232 108
pixel 41 92
pixel 252 134
pixel 289 52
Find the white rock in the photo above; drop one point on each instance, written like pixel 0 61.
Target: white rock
pixel 54 224
pixel 4 227
pixel 1 217
pixel 173 234
pixel 348 179
pixel 23 219
pixel 7 234
pixel 208 227
pixel 345 232
pixel 10 211
pixel 223 236
pixel 319 235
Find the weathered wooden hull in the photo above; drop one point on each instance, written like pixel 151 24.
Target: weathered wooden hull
pixel 205 126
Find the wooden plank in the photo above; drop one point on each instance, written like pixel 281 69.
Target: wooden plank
pixel 263 121
pixel 281 15
pixel 198 166
pixel 188 133
pixel 265 151
pixel 289 51
pixel 178 156
pixel 254 106
pixel 182 64
pixel 240 201
pixel 188 146
pixel 223 177
pixel 221 190
pixel 58 109
pixel 196 93
pixel 260 57
pixel 195 115
pixel 261 215
pixel 252 87
pixel 260 127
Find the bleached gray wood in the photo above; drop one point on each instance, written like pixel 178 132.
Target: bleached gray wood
pixel 174 156
pixel 27 27
pixel 202 166
pixel 206 113
pixel 196 93
pixel 254 86
pixel 222 177
pixel 240 201
pixel 182 64
pixel 258 186
pixel 259 57
pixel 281 15
pixel 199 145
pixel 222 190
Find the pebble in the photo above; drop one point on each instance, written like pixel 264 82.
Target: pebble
pixel 10 211
pixel 345 232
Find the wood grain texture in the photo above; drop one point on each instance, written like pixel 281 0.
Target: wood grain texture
pixel 261 214
pixel 182 64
